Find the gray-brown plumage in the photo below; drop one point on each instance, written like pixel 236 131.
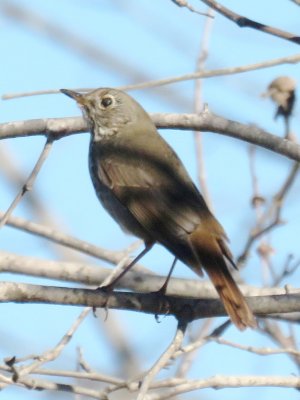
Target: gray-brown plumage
pixel 282 92
pixel 144 186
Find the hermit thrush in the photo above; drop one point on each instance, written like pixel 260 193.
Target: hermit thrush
pixel 142 183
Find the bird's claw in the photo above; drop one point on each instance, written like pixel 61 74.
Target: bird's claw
pixel 107 290
pixel 163 303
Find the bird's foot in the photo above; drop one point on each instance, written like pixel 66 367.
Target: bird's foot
pixel 163 303
pixel 107 290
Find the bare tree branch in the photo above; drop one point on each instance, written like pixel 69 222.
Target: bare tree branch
pixel 198 107
pixel 92 376
pixel 30 181
pixel 183 3
pixel 272 217
pixel 138 280
pixel 42 384
pixel 165 81
pixel 221 382
pixel 163 359
pixel 244 22
pixel 150 303
pixel 277 334
pixel 63 239
pixel 52 354
pixel 206 121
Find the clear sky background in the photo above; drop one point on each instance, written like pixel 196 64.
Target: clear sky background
pixel 135 41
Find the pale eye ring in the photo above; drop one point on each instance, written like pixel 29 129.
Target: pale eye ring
pixel 106 101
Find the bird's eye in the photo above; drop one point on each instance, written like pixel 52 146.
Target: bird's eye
pixel 106 102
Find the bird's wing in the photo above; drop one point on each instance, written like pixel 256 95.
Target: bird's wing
pixel 155 196
pixel 159 194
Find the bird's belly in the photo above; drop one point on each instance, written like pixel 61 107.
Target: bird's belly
pixel 119 212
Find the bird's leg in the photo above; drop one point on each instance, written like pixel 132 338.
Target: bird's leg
pixel 163 289
pixel 163 303
pixel 110 287
pixel 287 127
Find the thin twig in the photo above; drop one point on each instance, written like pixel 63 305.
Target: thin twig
pixel 93 376
pixel 30 181
pixel 262 351
pixel 141 280
pixel 257 198
pixel 258 202
pixel 42 384
pixel 274 331
pixel 81 362
pixel 220 382
pixel 163 360
pixel 198 106
pixel 244 22
pixel 287 270
pixel 183 3
pixel 187 358
pixel 15 176
pixel 166 81
pixel 69 241
pixel 13 172
pixel 202 340
pixel 55 352
pixel 273 214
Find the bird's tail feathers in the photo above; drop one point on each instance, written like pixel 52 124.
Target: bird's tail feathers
pixel 212 253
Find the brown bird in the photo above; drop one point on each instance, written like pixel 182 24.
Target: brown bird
pixel 142 183
pixel 282 92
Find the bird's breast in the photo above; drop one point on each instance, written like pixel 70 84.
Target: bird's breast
pixel 104 189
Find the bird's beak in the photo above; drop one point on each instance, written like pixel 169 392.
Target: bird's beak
pixel 78 97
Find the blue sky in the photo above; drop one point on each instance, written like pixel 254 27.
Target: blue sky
pixel 139 40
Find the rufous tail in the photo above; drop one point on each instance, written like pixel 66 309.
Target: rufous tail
pixel 212 253
pixel 231 296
